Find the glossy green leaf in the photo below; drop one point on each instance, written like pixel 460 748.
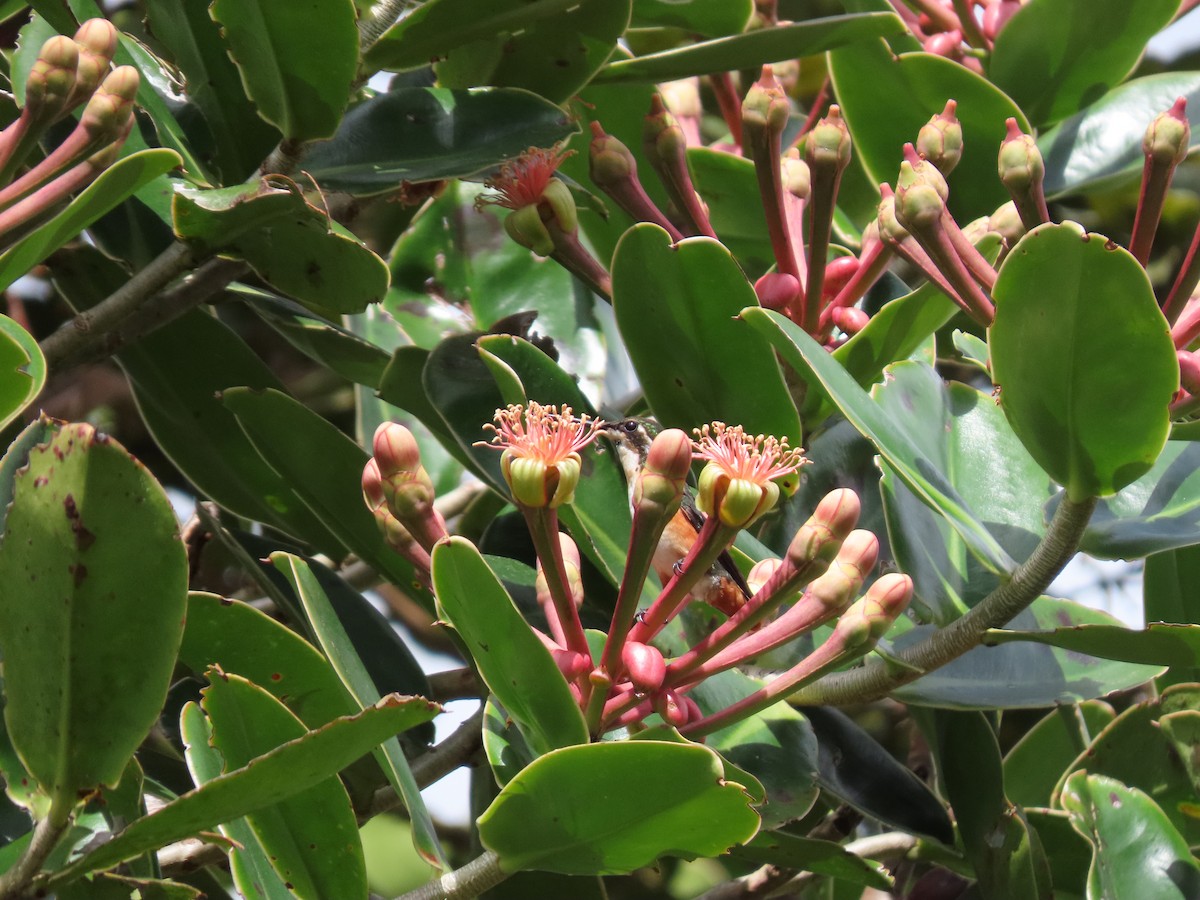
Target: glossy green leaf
pixel 243 641
pixel 210 218
pixel 1036 762
pixel 1056 57
pixel 93 614
pixel 515 665
pixel 1024 675
pixel 752 49
pixel 889 436
pixel 694 16
pixel 1103 143
pixel 678 805
pixel 325 468
pixel 281 773
pixel 435 28
pixel 1159 644
pixel 855 769
pixel 507 750
pixel 1074 315
pixel 425 134
pixel 788 851
pixel 111 886
pixel 1137 751
pixel 713 368
pixel 662 732
pixel 918 86
pixel 1067 852
pixel 553 56
pixel 240 137
pixel 966 437
pixel 354 675
pixel 1168 596
pixel 297 61
pixel 311 837
pixel 115 184
pixel 178 373
pixel 1137 852
pixel 22 370
pixel 1153 514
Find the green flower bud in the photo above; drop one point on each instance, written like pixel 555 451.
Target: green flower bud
pixel 766 105
pixel 558 197
pixel 1167 137
pixel 940 140
pixel 797 177
pixel 828 144
pixel 525 226
pixel 1020 162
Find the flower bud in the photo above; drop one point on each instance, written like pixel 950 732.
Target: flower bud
pixel 1020 162
pixel 395 449
pixel 663 479
pixel 849 319
pixel 662 137
pixel 571 664
pixel 1167 137
pixel 863 624
pixel 672 707
pixel 52 77
pixel 944 43
pixel 841 582
pixel 1189 371
pixel 766 105
pixel 940 140
pixel 372 485
pixel 916 170
pixel 828 144
pixel 97 42
pixel 525 226
pixel 406 485
pixel 996 16
pixel 838 272
pixel 761 572
pixel 609 160
pixel 645 666
pixel 777 290
pixel 797 177
pixel 1006 222
pixel 682 97
pixel 111 106
pixel 918 207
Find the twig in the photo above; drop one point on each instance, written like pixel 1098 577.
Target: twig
pixel 72 336
pixel 439 762
pixel 45 837
pixel 477 876
pixel 1031 578
pixel 457 684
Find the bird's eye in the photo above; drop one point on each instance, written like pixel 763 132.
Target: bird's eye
pixel 629 425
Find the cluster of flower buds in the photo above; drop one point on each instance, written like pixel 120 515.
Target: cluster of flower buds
pixel 957 29
pixel 400 495
pixel 68 73
pixel 543 216
pixel 816 582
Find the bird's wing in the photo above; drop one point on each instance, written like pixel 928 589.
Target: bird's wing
pixel 696 519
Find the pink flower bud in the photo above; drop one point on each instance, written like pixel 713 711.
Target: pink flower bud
pixel 645 666
pixel 570 663
pixel 672 707
pixel 761 572
pixel 850 319
pixel 838 273
pixel 1189 371
pixel 372 485
pixel 777 290
pixel 395 449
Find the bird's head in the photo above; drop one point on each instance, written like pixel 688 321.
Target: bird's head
pixel 631 438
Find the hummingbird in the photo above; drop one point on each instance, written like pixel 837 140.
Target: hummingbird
pixel 723 587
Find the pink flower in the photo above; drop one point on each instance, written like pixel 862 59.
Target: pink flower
pixel 541 447
pixel 739 481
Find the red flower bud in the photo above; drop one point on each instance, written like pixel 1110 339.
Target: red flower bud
pixel 645 666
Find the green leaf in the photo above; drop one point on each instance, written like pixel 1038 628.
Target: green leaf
pixel 918 86
pixel 553 56
pixel 22 370
pixel 426 134
pixel 1061 356
pixel 752 49
pixel 116 183
pixel 354 675
pixel 778 848
pixel 1036 762
pixel 297 61
pixel 1024 675
pixel 273 777
pixel 435 28
pixel 713 368
pixel 243 641
pixel 325 468
pixel 889 436
pixel 1168 596
pixel 178 373
pixel 730 191
pixel 92 613
pixel 694 16
pixel 311 837
pixel 1153 514
pixel 211 81
pixel 1102 144
pixel 967 438
pixel 855 769
pixel 548 816
pixel 515 665
pixel 1138 854
pixel 1067 852
pixel 1158 644
pixel 1056 57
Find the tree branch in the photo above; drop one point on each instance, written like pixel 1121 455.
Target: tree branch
pixel 471 880
pixel 46 834
pixel 1032 577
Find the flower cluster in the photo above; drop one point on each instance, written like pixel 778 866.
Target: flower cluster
pixel 631 679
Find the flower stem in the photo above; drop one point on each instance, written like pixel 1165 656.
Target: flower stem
pixel 543 528
pixel 1031 578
